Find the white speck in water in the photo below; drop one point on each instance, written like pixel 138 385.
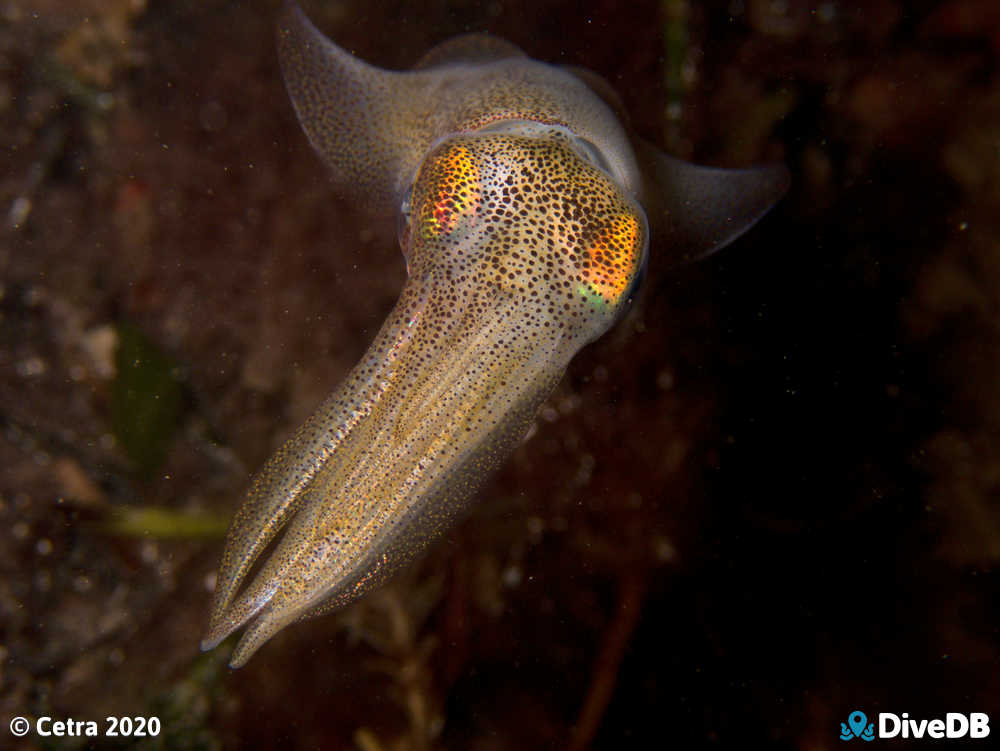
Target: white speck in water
pixel 20 530
pixel 535 527
pixel 664 550
pixel 31 366
pixel 43 581
pixel 99 345
pixel 19 211
pixel 43 546
pixel 689 73
pixel 570 404
pixel 512 576
pixel 167 579
pixel 149 552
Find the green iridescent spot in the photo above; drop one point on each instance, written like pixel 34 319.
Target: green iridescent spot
pixel 594 298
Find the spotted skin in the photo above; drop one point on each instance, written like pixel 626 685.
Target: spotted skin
pixel 524 237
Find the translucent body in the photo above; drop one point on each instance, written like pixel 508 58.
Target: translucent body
pixel 519 200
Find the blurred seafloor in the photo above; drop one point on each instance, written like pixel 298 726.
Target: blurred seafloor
pixel 768 498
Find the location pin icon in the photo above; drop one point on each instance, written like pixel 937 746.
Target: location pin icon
pixel 857 721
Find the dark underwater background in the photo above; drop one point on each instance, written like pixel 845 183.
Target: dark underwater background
pixel 769 497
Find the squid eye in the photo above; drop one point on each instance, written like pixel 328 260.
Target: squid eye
pixel 403 221
pixel 592 154
pixel 633 291
pixel 640 277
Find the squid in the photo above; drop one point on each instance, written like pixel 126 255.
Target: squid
pixel 524 210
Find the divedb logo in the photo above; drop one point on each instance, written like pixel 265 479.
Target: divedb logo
pixel 973 726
